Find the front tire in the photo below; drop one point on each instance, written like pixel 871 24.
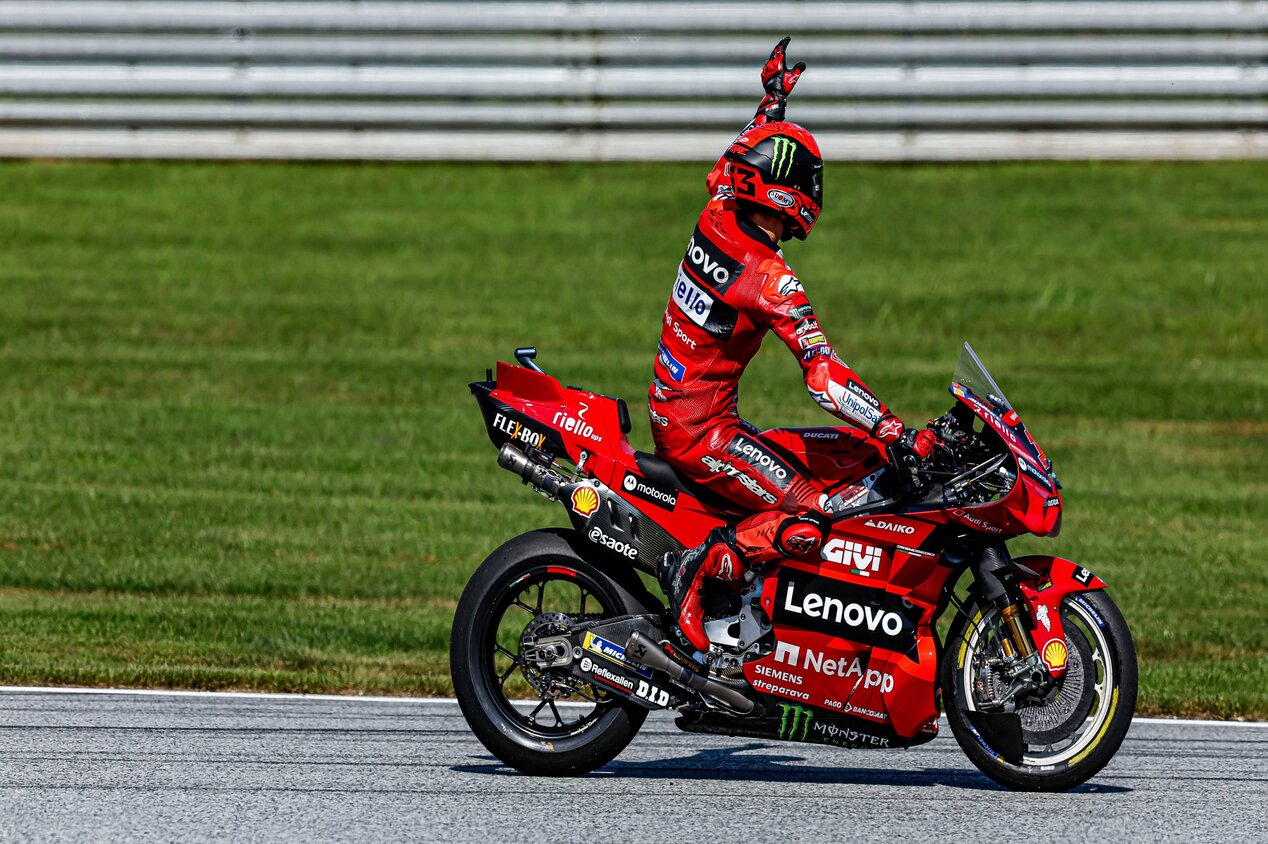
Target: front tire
pixel 1075 734
pixel 532 581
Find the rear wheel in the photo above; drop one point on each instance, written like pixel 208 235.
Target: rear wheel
pixel 1075 733
pixel 537 721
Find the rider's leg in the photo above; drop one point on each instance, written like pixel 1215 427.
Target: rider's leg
pixel 728 553
pixel 738 464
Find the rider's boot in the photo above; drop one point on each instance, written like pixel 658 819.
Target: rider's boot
pixel 682 574
pixel 727 554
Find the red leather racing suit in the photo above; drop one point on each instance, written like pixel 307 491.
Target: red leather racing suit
pixel 733 286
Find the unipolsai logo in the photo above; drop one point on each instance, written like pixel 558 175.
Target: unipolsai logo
pixel 792 720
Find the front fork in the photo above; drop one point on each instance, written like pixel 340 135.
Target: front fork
pixel 1028 676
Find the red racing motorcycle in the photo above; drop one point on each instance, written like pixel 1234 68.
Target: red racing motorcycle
pixel 560 648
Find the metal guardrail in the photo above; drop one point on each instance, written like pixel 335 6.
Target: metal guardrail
pixel 619 80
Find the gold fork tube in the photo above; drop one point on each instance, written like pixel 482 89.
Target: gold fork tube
pixel 1017 643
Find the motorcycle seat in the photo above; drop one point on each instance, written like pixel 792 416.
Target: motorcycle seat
pixel 662 471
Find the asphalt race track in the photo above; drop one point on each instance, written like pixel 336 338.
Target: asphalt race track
pixel 166 767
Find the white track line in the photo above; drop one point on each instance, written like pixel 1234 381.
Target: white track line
pixel 74 690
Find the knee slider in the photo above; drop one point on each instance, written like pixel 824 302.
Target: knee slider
pixel 802 534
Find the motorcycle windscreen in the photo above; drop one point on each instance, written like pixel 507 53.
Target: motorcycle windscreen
pixel 971 375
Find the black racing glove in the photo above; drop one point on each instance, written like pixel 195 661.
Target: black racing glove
pixel 778 81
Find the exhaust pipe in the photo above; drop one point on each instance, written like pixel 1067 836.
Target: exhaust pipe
pixel 534 474
pixel 643 651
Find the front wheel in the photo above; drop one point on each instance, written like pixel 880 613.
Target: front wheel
pixel 1075 733
pixel 537 722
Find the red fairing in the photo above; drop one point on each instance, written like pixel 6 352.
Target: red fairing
pixel 588 424
pixel 1034 503
pixel 1058 578
pixel 886 671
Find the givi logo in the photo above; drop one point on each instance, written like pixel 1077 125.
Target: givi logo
pixel 862 559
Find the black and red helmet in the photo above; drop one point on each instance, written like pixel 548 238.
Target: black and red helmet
pixel 778 166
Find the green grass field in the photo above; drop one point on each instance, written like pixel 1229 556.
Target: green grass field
pixel 237 449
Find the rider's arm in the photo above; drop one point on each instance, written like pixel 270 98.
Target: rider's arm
pixel 830 381
pixel 778 82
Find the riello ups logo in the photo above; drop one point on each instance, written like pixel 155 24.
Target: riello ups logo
pixel 857 613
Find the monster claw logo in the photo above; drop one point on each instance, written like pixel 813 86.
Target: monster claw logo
pixel 782 157
pixel 584 501
pixel 793 718
pixel 1054 655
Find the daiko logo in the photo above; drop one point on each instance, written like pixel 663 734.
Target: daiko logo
pixel 862 559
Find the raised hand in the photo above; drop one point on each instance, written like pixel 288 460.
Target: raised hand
pixel 777 79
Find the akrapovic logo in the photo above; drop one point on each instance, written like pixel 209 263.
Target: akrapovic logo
pixel 782 157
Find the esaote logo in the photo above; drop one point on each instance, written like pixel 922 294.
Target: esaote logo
pixel 576 424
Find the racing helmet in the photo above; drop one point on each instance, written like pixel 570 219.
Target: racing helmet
pixel 777 166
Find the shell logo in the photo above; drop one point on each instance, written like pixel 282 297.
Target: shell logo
pixel 1054 655
pixel 584 501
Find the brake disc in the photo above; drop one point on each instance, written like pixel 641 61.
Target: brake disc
pixel 537 673
pixel 1068 709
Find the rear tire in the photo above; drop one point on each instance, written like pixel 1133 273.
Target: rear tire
pixel 528 566
pixel 1073 736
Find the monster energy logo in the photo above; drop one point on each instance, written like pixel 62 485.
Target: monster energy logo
pixel 782 159
pixel 793 718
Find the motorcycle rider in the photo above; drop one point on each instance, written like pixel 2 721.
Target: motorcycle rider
pixel 733 286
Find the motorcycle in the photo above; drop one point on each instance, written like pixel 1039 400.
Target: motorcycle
pixel 1036 671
